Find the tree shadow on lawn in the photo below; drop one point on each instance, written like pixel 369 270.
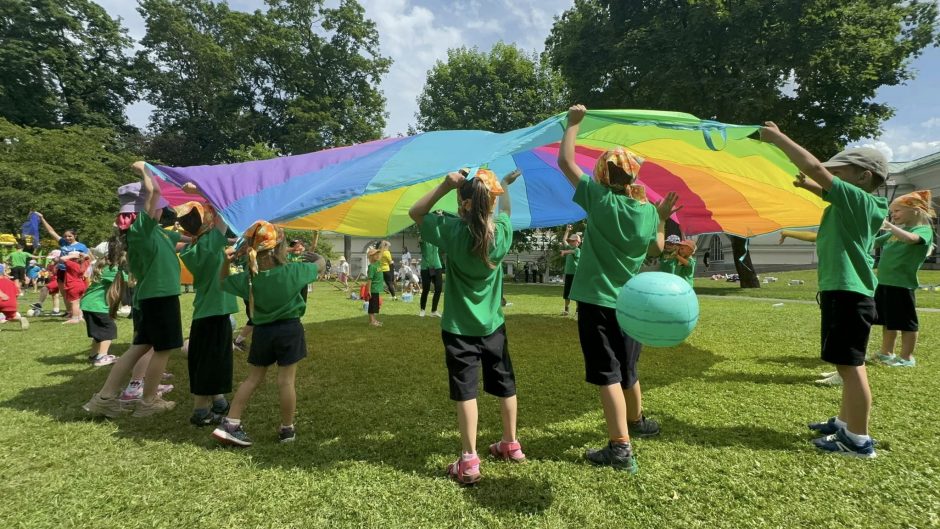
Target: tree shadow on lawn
pixel 808 361
pixel 380 395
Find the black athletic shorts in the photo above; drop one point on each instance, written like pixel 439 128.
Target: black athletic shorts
pixel 896 307
pixel 100 326
pixel 610 355
pixel 847 318
pixel 210 355
pixel 569 278
pixel 463 355
pixel 280 341
pixel 18 272
pixel 374 303
pixel 157 323
pixel 248 314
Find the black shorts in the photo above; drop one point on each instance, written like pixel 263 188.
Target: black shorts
pixel 374 303
pixel 210 355
pixel 280 341
pixel 610 355
pixel 18 272
pixel 157 323
pixel 100 326
pixel 463 355
pixel 569 278
pixel 248 314
pixel 896 308
pixel 846 318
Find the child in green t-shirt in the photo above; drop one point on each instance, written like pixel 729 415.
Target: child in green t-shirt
pixel 276 302
pixel 904 248
pixel 374 280
pixel 623 227
pixel 99 325
pixel 846 280
pixel 209 357
pixel 149 252
pixel 572 254
pixel 473 327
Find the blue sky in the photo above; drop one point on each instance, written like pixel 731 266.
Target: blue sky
pixel 415 34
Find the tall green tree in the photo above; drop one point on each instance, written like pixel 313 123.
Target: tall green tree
pixel 70 174
pixel 500 90
pixel 812 66
pixel 63 62
pixel 299 76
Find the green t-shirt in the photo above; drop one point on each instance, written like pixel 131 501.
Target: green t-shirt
pixel 430 256
pixel 95 298
pixel 292 258
pixel 571 260
pixel 277 291
pixel 686 271
pixel 376 280
pixel 668 265
pixel 473 290
pixel 151 256
pixel 845 238
pixel 900 261
pixel 204 260
pixel 18 259
pixel 619 231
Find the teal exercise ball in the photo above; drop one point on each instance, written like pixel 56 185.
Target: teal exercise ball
pixel 657 309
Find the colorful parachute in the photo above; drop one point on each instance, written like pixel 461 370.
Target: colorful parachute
pixel 726 181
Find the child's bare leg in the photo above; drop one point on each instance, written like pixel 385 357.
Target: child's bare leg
pixel 202 402
pixel 119 371
pixel 508 408
pixel 888 339
pixel 104 347
pixel 908 343
pixel 55 302
pixel 140 368
pixel 43 294
pixel 467 423
pixel 288 395
pixel 245 389
pixel 634 400
pixel 155 374
pixel 856 398
pixel 615 411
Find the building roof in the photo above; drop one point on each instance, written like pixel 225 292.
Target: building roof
pixel 922 162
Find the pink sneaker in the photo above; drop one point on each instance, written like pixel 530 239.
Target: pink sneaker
pixel 511 451
pixel 465 470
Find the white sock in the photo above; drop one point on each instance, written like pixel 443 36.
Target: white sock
pixel 841 424
pixel 467 456
pixel 233 422
pixel 856 438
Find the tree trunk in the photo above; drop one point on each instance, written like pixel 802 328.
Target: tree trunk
pixel 744 267
pixel 347 247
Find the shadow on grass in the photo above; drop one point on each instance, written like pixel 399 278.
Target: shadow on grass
pixel 745 436
pixel 808 361
pixel 512 495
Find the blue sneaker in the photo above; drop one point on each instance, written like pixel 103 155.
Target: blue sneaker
pixel 886 359
pixel 839 443
pixel 826 428
pixel 900 362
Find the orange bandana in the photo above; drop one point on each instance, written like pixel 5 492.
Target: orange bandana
pixel 917 200
pixel 630 163
pixel 492 183
pixel 206 213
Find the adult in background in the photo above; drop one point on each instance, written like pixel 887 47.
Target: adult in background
pixel 385 266
pixel 68 243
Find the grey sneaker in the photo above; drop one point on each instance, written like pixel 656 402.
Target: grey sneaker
pixel 231 434
pixel 616 455
pixel 145 409
pixel 643 427
pixel 287 435
pixel 107 407
pixel 205 420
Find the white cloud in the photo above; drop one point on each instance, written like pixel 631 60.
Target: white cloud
pixel 902 143
pixel 917 149
pixel 931 123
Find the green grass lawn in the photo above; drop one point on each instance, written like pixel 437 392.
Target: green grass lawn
pixel 807 291
pixel 376 428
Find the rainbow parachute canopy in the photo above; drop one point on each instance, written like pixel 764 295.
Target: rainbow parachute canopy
pixel 726 180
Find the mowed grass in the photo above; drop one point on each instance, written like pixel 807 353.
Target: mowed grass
pixel 376 429
pixel 782 289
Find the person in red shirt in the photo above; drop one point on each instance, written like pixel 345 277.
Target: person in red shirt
pixel 76 264
pixel 8 294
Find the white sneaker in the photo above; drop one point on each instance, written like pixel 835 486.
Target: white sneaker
pixel 24 323
pixel 834 380
pixel 421 314
pixel 436 314
pixel 827 374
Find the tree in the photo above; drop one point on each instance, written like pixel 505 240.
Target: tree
pixel 62 62
pixel 812 66
pixel 299 77
pixel 498 91
pixel 70 175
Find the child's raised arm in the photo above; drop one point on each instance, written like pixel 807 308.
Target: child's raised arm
pixel 808 164
pixel 424 204
pixel 901 234
pixel 151 191
pixel 48 227
pixel 566 156
pixel 665 208
pixel 505 204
